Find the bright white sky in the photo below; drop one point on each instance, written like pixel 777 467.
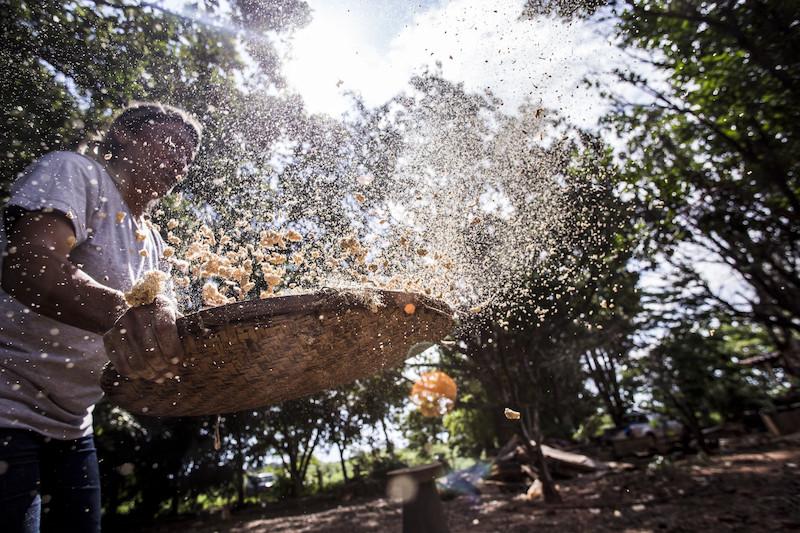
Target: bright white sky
pixel 374 46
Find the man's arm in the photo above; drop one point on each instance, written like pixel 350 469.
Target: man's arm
pixel 38 273
pixel 140 341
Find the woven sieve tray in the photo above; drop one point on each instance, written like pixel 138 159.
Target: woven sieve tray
pixel 251 354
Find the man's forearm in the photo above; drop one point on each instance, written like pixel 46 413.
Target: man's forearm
pixel 57 289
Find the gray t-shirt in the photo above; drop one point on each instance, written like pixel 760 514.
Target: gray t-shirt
pixel 50 371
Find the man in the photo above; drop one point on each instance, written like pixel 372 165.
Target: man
pixel 75 237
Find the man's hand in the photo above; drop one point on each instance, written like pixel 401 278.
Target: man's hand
pixel 144 342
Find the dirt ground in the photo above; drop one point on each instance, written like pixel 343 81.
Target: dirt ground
pixel 746 488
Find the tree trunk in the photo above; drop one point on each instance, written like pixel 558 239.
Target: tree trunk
pixel 112 515
pixel 294 475
pixel 389 443
pixel 239 475
pixel 691 420
pixel 790 352
pixel 551 494
pixel 240 487
pixel 604 377
pixel 297 485
pixel 341 461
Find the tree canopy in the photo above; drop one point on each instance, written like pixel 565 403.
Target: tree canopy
pixel 712 147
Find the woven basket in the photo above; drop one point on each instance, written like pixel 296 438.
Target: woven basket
pixel 261 352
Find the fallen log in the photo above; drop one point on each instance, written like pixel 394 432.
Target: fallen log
pixel 513 465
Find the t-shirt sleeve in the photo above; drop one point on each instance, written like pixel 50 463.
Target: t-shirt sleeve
pixel 60 181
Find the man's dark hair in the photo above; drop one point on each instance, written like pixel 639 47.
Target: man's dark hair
pixel 138 115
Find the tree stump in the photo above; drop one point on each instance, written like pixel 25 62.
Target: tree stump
pixel 422 508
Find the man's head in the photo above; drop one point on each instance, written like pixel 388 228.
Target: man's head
pixel 152 143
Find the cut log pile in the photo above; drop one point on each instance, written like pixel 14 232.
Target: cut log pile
pixel 512 464
pixel 513 471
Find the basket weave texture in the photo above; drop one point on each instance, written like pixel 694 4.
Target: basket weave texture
pixel 261 352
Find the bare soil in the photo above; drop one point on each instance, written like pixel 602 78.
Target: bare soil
pixel 751 487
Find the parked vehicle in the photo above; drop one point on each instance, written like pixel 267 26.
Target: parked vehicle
pixel 645 433
pixel 260 482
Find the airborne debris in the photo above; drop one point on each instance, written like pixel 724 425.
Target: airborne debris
pixel 146 289
pixel 467 203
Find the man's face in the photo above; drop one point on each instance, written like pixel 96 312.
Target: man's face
pixel 160 156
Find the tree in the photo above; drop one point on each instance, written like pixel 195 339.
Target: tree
pixel 543 269
pixel 292 430
pixel 607 360
pixel 423 432
pixel 580 300
pixel 712 150
pixel 365 403
pixel 693 377
pixel 146 462
pixel 473 424
pixel 342 422
pixel 69 64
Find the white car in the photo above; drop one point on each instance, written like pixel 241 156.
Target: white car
pixel 257 483
pixel 645 432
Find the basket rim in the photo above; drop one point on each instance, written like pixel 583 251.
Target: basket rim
pixel 320 300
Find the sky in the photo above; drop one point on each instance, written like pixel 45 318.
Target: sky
pixel 374 47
